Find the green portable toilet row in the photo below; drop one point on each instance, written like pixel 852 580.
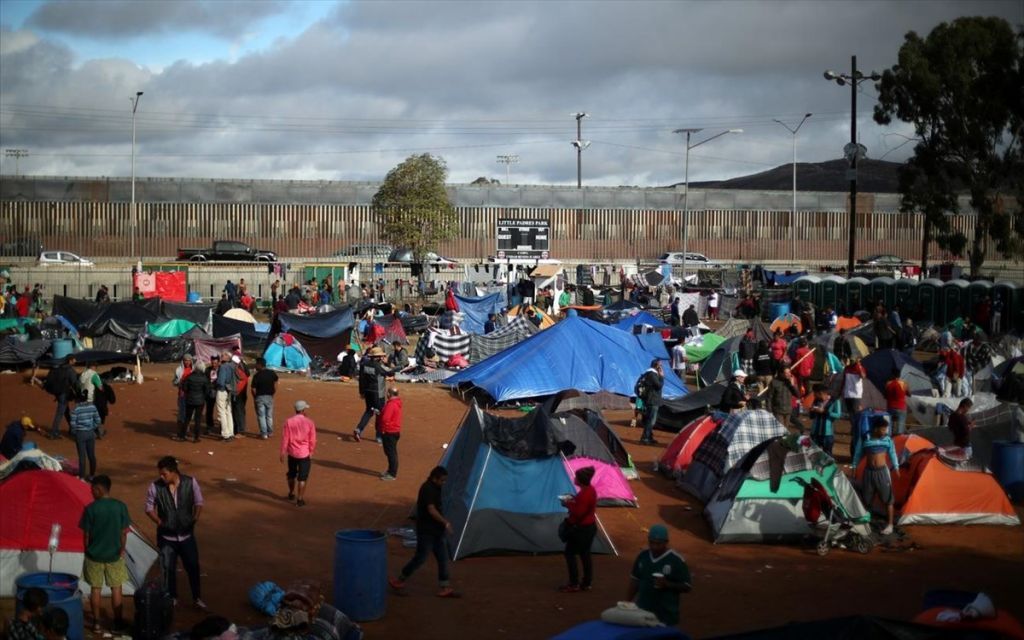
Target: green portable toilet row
pixel 933 300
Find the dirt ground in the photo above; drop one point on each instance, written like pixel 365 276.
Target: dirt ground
pixel 250 533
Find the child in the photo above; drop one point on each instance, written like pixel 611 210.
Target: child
pixel 54 624
pixel 85 423
pixel 824 411
pixel 24 626
pixel 880 453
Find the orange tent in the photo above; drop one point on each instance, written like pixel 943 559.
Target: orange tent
pixel 784 322
pixel 679 453
pixel 930 491
pixel 847 322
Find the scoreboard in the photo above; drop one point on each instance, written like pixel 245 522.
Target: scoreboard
pixel 523 239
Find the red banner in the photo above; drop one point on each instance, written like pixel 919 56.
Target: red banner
pixel 168 285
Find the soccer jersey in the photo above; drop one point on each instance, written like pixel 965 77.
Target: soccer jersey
pixel 663 603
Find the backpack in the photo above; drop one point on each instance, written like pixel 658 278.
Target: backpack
pixel 242 379
pixel 640 388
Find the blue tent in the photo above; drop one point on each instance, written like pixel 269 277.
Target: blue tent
pixel 627 323
pixel 882 363
pixel 475 311
pixel 653 344
pixel 286 357
pixel 318 325
pixel 573 354
pixel 504 479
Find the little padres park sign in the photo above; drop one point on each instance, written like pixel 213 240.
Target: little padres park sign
pixel 523 239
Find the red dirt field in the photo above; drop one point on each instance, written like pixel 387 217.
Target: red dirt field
pixel 249 532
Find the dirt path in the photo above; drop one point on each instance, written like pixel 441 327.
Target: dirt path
pixel 250 533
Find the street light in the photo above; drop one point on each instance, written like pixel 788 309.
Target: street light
pixel 686 188
pixel 17 154
pixel 508 159
pixel 853 150
pixel 792 219
pixel 135 220
pixel 580 145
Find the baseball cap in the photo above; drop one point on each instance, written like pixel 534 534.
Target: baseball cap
pixel 658 532
pixel 739 373
pixel 236 359
pixel 301 405
pixel 26 422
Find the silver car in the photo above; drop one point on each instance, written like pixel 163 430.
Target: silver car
pixel 65 258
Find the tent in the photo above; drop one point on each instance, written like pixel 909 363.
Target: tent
pixel 724 447
pixel 394 332
pixel 545 322
pixel 574 354
pixel 600 630
pixel 994 424
pixel 847 322
pixel 733 327
pixel 679 412
pixel 443 343
pixel 32 502
pixel 880 365
pixel 240 314
pixel 197 312
pixel 207 347
pixel 784 322
pixel 701 349
pixel 719 365
pixel 504 479
pixel 320 325
pixel 474 311
pixel 611 485
pixel 169 341
pixel 286 353
pixel 627 323
pixel 745 509
pixel 679 453
pixel 482 347
pixel 248 333
pixel 930 490
pixel 593 439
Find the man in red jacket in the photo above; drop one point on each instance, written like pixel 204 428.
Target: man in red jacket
pixel 954 370
pixel 390 430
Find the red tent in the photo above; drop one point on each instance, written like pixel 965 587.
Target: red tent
pixel 679 453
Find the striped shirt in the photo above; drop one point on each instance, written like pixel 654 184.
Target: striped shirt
pixel 84 417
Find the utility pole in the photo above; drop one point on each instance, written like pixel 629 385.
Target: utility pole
pixel 135 219
pixel 580 145
pixel 508 159
pixel 17 154
pixel 792 220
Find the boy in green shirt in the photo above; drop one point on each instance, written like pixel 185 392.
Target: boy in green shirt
pixel 659 576
pixel 105 524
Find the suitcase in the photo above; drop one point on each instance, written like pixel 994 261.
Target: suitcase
pixel 154 612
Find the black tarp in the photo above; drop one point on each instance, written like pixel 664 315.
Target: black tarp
pixel 415 323
pixel 172 349
pixel 91 317
pixel 198 313
pixel 677 413
pixel 321 325
pixel 14 351
pixel 91 356
pixel 225 327
pixel 123 317
pixel 326 348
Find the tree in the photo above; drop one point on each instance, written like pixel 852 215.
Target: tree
pixel 414 206
pixel 962 89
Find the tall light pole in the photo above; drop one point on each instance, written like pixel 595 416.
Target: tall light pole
pixel 792 219
pixel 508 159
pixel 580 145
pixel 135 219
pixel 686 188
pixel 853 150
pixel 17 154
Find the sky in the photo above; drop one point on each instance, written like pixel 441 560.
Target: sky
pixel 325 90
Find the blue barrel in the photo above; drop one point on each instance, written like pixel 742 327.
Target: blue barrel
pixel 777 310
pixel 62 590
pixel 193 296
pixel 1008 467
pixel 361 573
pixel 62 348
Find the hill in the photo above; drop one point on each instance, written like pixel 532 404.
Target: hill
pixel 873 176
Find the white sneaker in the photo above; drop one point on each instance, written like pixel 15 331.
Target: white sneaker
pixel 887 530
pixel 632 424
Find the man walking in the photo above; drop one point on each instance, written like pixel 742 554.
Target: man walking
pixel 264 386
pixel 390 431
pixel 225 389
pixel 648 389
pixel 174 502
pixel 372 387
pixel 60 383
pixel 105 525
pixel 431 528
pixel 298 443
pixel 197 389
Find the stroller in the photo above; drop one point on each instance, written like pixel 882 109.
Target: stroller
pixel 831 519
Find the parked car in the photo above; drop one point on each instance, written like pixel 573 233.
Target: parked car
pixel 63 258
pixel 375 252
pixel 21 247
pixel 404 254
pixel 884 260
pixel 692 259
pixel 227 251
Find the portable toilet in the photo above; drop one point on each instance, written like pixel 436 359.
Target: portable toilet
pixel 807 287
pixel 954 300
pixel 929 298
pixel 883 289
pixel 1012 297
pixel 906 293
pixel 977 291
pixel 857 292
pixel 832 290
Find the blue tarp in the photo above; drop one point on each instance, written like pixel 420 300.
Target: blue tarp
pixel 653 344
pixel 573 354
pixel 780 279
pixel 599 630
pixel 476 310
pixel 627 323
pixel 320 325
pixel 881 364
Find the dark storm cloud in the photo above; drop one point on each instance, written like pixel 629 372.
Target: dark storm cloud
pixel 362 89
pixel 132 18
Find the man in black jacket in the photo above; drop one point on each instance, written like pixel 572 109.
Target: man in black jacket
pixel 196 388
pixel 734 398
pixel 60 383
pixel 174 502
pixel 649 388
pixel 373 384
pixel 748 351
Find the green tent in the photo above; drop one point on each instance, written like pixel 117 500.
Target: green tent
pixel 700 352
pixel 171 328
pixel 15 324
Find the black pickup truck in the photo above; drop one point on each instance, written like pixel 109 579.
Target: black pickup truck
pixel 227 251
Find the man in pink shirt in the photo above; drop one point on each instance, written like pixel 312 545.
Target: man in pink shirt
pixel 298 443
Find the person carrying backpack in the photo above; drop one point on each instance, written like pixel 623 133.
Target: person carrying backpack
pixel 238 398
pixel 648 388
pixel 61 384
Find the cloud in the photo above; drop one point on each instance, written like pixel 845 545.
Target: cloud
pixel 134 18
pixel 357 91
